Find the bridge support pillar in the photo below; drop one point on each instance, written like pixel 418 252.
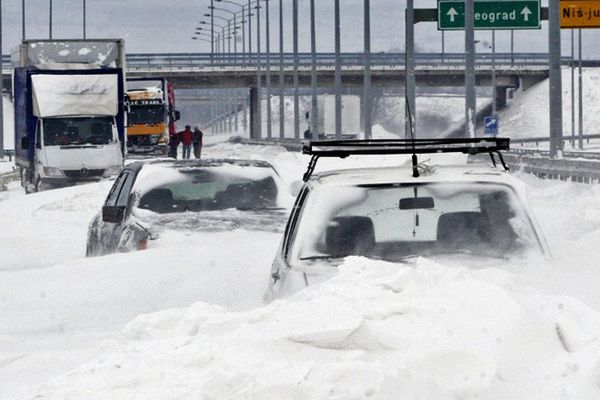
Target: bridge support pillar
pixel 255 118
pixel 501 97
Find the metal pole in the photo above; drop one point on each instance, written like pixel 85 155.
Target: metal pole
pixel 23 20
pixel 494 105
pixel 580 94
pixel 235 52
pixel 84 19
pixel 250 30
pixel 1 92
pixel 258 76
pixel 281 76
pixel 338 73
pixel 470 96
pixel 244 37
pixel 229 41
pixel 573 87
pixel 314 107
pixel 367 73
pixel 269 105
pixel 410 113
pixel 50 20
pixel 296 61
pixel 212 31
pixel 443 45
pixel 512 47
pixel 556 133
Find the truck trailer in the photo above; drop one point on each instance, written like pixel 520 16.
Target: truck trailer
pixel 69 111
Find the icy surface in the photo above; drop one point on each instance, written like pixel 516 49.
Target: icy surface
pixel 184 319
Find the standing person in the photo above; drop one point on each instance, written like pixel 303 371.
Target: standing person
pixel 186 139
pixel 173 144
pixel 197 141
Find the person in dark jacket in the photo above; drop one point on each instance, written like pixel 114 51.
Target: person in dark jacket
pixel 186 139
pixel 173 144
pixel 197 142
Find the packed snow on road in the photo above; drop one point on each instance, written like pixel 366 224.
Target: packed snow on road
pixel 186 317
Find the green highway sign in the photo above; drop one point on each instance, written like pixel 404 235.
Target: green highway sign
pixel 501 14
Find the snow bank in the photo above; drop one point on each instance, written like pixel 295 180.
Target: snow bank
pixel 528 114
pixel 373 331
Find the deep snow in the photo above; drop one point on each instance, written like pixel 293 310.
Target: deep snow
pixel 184 318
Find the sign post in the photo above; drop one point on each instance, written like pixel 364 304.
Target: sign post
pixel 501 14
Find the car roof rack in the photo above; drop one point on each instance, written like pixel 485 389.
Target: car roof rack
pixel 346 148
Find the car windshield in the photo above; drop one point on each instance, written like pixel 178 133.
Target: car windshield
pixel 165 190
pixel 146 114
pixel 392 222
pixel 78 131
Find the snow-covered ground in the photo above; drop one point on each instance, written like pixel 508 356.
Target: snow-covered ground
pixel 520 120
pixel 184 319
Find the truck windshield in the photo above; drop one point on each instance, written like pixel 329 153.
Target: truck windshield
pixel 78 131
pixel 146 114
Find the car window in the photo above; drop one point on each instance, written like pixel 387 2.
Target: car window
pixel 113 195
pixel 392 222
pixel 203 190
pixel 125 191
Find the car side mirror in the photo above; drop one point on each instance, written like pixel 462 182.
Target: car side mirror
pixel 24 143
pixel 113 214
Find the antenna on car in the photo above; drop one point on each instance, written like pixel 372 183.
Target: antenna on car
pixel 411 122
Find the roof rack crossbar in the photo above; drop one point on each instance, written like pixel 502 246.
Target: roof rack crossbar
pixel 345 148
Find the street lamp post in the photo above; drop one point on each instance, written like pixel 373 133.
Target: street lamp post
pixel 314 106
pixel 268 51
pixel 258 126
pixel 338 73
pixel 367 76
pixel 50 20
pixel 296 62
pixel 84 19
pixel 281 75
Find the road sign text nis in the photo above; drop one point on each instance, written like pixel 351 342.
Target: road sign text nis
pixel 580 14
pixel 506 14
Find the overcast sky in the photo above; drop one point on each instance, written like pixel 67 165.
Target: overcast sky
pixel 166 26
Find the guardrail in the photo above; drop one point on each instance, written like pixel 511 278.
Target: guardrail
pixel 575 169
pixel 245 60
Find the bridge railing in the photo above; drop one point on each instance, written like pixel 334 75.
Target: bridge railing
pixel 136 61
pixel 348 60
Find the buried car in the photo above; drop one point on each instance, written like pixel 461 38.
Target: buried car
pixel 471 211
pixel 148 197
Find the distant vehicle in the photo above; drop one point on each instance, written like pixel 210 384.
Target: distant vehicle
pixel 151 115
pixel 151 196
pixel 69 117
pixel 396 214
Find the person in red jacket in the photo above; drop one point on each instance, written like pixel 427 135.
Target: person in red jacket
pixel 186 139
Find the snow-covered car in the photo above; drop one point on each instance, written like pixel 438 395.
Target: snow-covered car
pixel 149 197
pixel 473 211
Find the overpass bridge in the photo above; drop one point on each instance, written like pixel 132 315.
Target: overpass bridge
pixel 239 71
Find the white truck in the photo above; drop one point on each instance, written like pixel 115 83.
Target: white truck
pixel 69 112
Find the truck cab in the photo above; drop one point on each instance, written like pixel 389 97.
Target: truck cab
pixel 76 148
